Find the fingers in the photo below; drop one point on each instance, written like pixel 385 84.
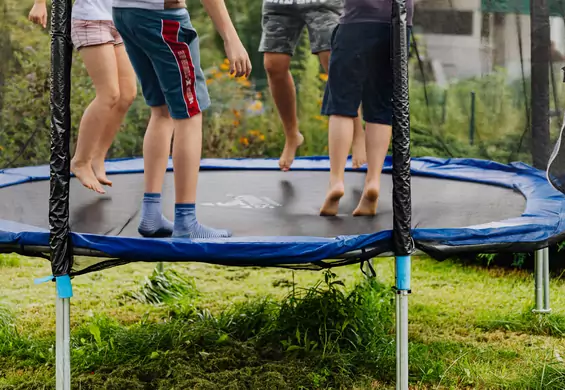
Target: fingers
pixel 241 67
pixel 44 20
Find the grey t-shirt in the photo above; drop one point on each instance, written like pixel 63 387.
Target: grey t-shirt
pixel 356 11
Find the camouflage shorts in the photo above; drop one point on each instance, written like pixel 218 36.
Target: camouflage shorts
pixel 284 20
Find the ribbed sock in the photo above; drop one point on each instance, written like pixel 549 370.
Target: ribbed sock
pixel 153 223
pixel 186 225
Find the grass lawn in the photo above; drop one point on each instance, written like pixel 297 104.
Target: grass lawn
pixel 237 328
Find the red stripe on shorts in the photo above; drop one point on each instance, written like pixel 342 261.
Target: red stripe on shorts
pixel 170 33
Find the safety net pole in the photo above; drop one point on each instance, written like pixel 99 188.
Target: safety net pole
pixel 540 53
pixel 60 242
pixel 401 203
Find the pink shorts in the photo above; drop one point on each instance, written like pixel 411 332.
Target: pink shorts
pixel 93 33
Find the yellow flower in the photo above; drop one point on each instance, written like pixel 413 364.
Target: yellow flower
pixel 326 148
pixel 244 141
pixel 261 137
pixel 256 106
pixel 254 133
pixel 225 67
pixel 218 75
pixel 324 77
pixel 319 102
pixel 320 118
pixel 226 61
pixel 244 82
pixel 209 81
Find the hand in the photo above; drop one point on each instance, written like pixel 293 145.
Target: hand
pixel 38 14
pixel 240 64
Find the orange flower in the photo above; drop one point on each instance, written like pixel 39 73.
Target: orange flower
pixel 209 81
pixel 236 113
pixel 236 123
pixel 225 67
pixel 244 141
pixel 244 82
pixel 258 95
pixel 324 77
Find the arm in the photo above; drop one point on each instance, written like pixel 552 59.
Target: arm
pixel 236 53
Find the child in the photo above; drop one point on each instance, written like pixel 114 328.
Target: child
pixel 360 72
pixel 164 50
pixel 100 47
pixel 282 25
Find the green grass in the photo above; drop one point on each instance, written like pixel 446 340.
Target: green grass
pixel 209 327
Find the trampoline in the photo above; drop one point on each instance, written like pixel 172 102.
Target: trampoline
pixel 460 206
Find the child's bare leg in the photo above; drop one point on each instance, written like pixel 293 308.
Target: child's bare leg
pixel 157 148
pixel 187 149
pixel 358 149
pixel 359 154
pixel 283 91
pixel 100 62
pixel 156 152
pixel 377 140
pixel 128 90
pixel 339 143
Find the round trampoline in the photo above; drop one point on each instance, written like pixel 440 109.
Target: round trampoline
pixel 459 207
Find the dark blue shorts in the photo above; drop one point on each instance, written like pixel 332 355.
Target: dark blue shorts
pixel 164 51
pixel 360 72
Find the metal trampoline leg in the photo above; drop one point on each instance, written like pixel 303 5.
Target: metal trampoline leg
pixel 403 265
pixel 63 345
pixel 541 272
pixel 160 267
pixel 546 305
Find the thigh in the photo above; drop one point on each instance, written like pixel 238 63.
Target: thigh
pixel 126 73
pixel 321 20
pixel 139 60
pixel 175 55
pixel 101 65
pixel 281 28
pixel 347 72
pixel 377 95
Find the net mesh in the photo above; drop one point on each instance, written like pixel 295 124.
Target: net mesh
pixel 484 84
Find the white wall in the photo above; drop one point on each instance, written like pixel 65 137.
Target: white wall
pixel 468 56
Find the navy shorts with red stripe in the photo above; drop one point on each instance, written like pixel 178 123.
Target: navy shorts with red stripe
pixel 163 48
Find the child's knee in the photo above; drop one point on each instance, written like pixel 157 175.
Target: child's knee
pixel 109 97
pixel 127 97
pixel 276 65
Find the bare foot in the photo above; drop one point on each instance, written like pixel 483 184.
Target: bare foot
pixel 359 153
pixel 86 176
pixel 100 173
pixel 289 151
pixel 331 204
pixel 368 204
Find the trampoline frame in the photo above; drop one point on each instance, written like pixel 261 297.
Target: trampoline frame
pixel 60 245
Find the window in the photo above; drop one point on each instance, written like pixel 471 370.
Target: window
pixel 441 21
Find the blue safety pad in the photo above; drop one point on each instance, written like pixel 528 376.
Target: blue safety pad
pixel 542 219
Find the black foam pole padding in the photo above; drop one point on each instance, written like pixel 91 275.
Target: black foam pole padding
pixel 402 200
pixel 60 175
pixel 540 49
